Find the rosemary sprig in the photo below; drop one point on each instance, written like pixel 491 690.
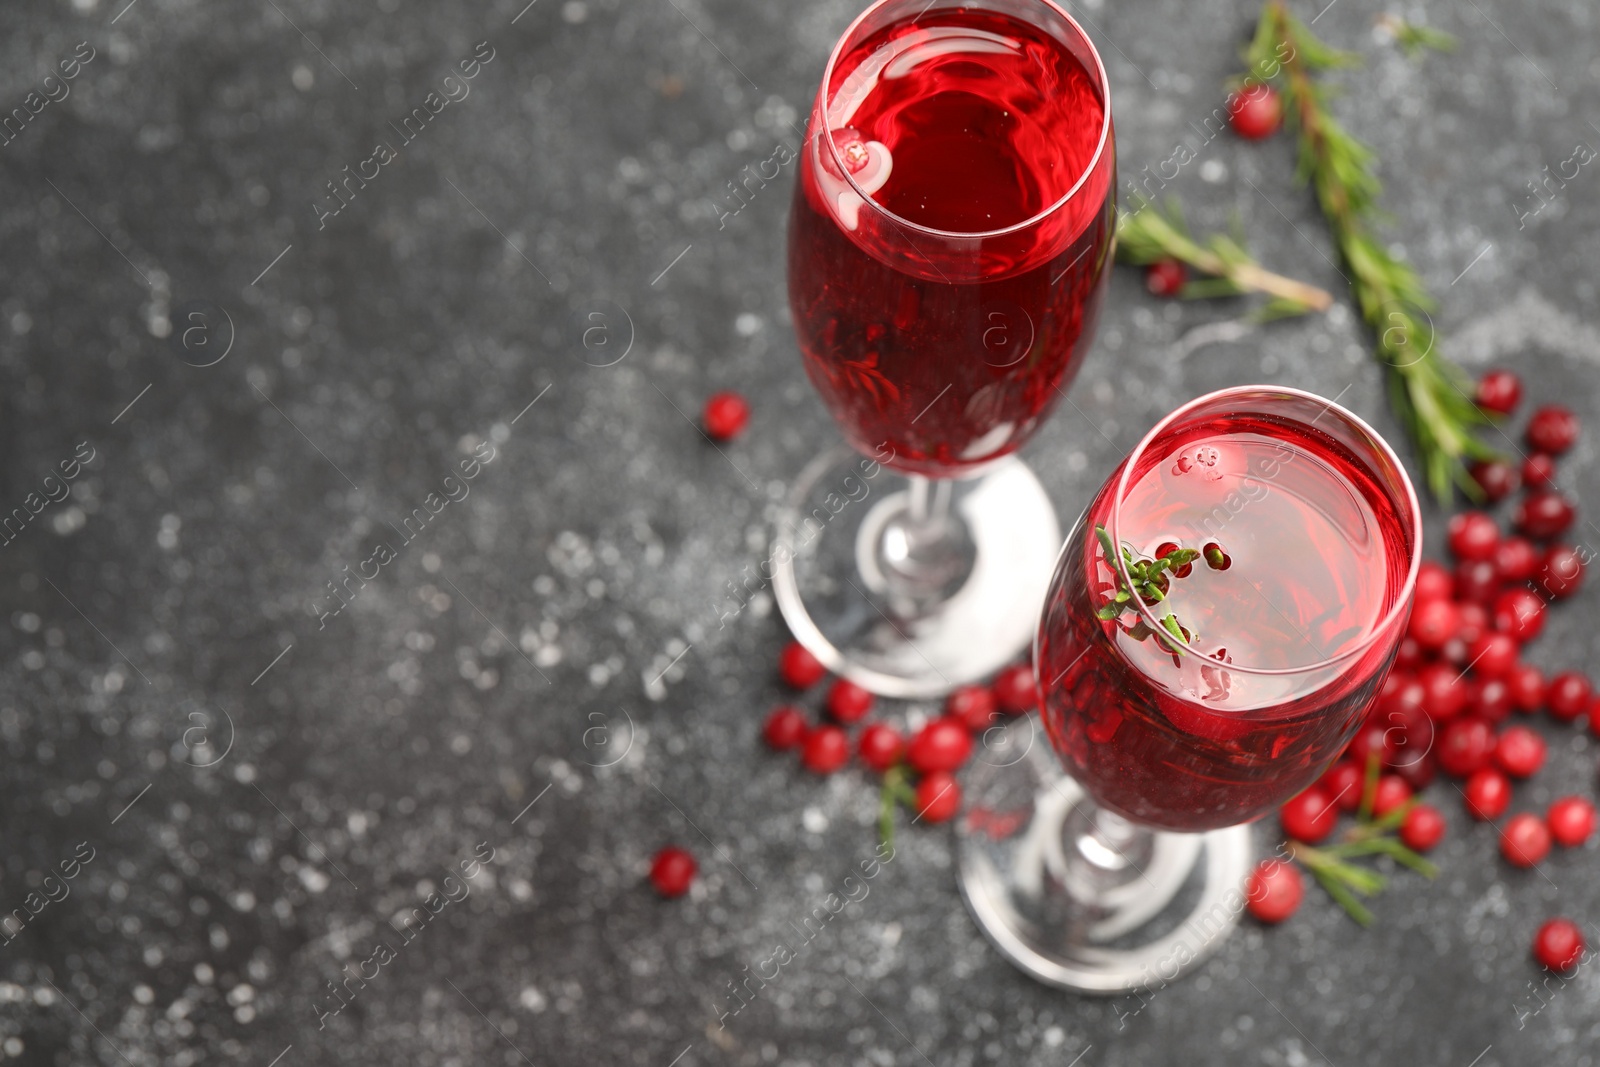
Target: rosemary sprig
pixel 1431 395
pixel 1147 233
pixel 895 789
pixel 1414 39
pixel 1148 584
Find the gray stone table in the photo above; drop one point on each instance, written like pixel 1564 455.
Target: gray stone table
pixel 248 795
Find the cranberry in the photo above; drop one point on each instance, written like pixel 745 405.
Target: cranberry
pixel 1433 581
pixel 1594 716
pixel 1491 700
pixel 1408 655
pixel 825 750
pixel 1016 689
pixel 1256 112
pixel 672 871
pixel 1216 558
pixel 798 668
pixel 1476 580
pixel 1475 622
pixel 1516 559
pixel 1374 740
pixel 1165 277
pixel 785 728
pixel 1433 622
pixel 1392 792
pixel 1274 891
pixel 1409 738
pixel 725 416
pixel 1343 784
pixel 1399 691
pixel 1309 817
pixel 1473 535
pixel 1552 429
pixel 1571 821
pixel 973 706
pixel 879 746
pixel 848 702
pixel 1525 841
pixel 1539 471
pixel 1562 573
pixel 1464 746
pixel 1496 477
pixel 1499 391
pixel 1488 794
pixel 1519 752
pixel 1526 683
pixel 1492 655
pixel 1520 613
pixel 1422 828
pixel 1444 691
pixel 1568 695
pixel 1558 945
pixel 942 745
pixel 938 797
pixel 1543 514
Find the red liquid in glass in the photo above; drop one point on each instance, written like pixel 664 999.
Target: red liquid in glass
pixel 1318 558
pixel 951 346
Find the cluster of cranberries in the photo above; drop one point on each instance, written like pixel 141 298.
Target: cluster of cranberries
pixel 935 752
pixel 1254 113
pixel 1459 676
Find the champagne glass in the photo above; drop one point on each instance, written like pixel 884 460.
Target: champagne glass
pixel 949 245
pixel 1186 700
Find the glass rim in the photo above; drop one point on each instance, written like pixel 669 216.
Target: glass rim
pixel 1413 511
pixel 1018 227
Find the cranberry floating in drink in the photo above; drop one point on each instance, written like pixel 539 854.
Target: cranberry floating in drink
pixel 1220 622
pixel 949 245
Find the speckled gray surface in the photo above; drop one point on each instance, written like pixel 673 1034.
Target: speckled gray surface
pixel 495 660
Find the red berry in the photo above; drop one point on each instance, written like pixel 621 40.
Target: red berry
pixel 1568 695
pixel 1473 535
pixel 1420 772
pixel 1165 277
pixel 1476 581
pixel 1309 817
pixel 1422 828
pixel 1392 792
pixel 1409 737
pixel 1558 945
pixel 1016 690
pixel 1256 112
pixel 1562 572
pixel 1594 716
pixel 1496 477
pixel 1464 746
pixel 1491 700
pixel 938 797
pixel 942 745
pixel 1553 429
pixel 1373 739
pixel 1520 613
pixel 973 706
pixel 1401 690
pixel 1519 752
pixel 672 871
pixel 848 702
pixel 1343 784
pixel 1539 471
pixel 786 727
pixel 1444 691
pixel 1516 559
pixel 826 749
pixel 1499 391
pixel 1571 821
pixel 798 668
pixel 1274 891
pixel 879 746
pixel 1525 841
pixel 725 416
pixel 1409 654
pixel 1492 655
pixel 1543 514
pixel 1433 581
pixel 1475 622
pixel 1526 683
pixel 1488 794
pixel 1215 556
pixel 1433 622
